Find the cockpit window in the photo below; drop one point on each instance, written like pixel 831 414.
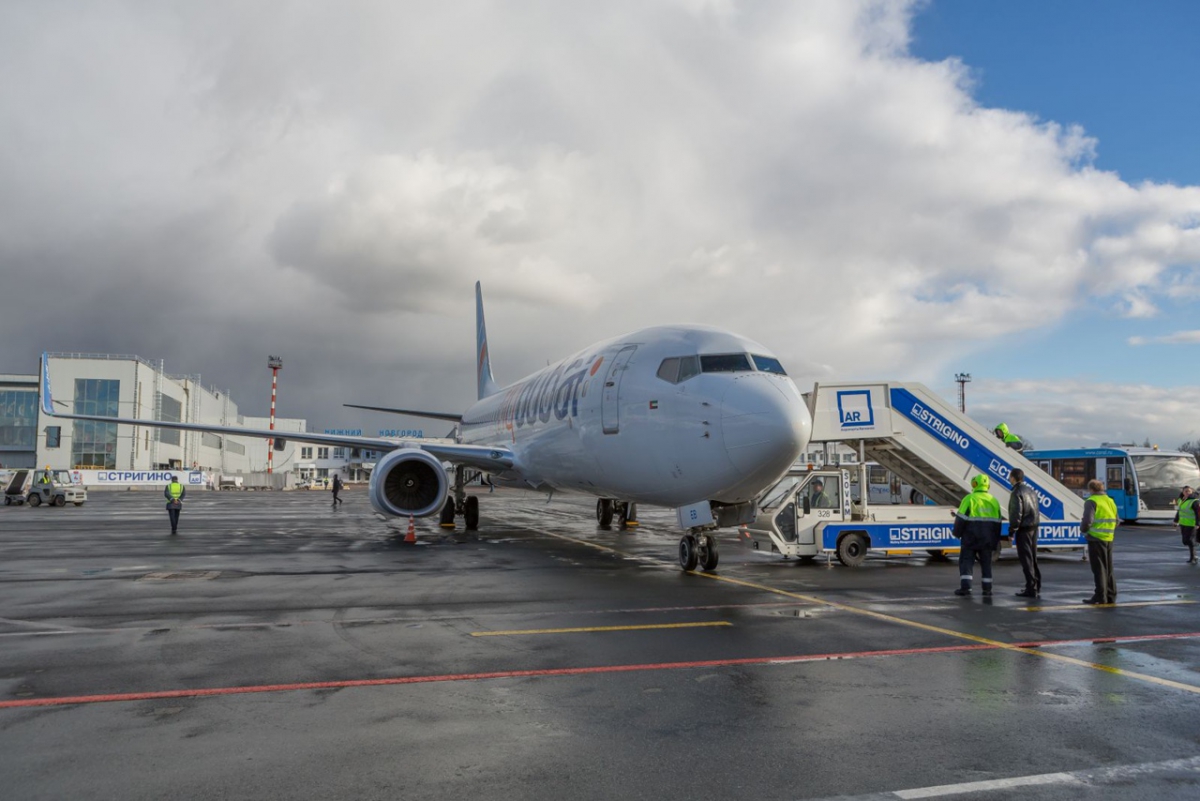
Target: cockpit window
pixel 726 363
pixel 679 369
pixel 669 370
pixel 768 364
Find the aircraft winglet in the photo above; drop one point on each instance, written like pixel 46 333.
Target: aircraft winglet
pixel 483 365
pixel 47 402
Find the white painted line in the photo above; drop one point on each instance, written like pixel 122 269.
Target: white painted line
pixel 1094 777
pixel 986 786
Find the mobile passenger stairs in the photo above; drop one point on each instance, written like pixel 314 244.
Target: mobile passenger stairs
pixel 926 442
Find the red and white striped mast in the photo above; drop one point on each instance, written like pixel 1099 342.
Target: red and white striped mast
pixel 274 362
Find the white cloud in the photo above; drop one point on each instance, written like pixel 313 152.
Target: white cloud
pixel 1177 338
pixel 346 172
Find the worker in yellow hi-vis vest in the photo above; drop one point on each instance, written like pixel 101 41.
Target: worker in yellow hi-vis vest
pixel 1185 518
pixel 1099 524
pixel 174 494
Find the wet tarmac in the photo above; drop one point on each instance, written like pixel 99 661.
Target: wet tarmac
pixel 278 648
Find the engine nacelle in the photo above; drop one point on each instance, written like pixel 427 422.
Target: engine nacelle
pixel 408 482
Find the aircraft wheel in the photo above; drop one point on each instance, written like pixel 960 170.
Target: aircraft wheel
pixel 687 552
pixel 447 520
pixel 708 555
pixel 471 513
pixel 604 512
pixel 59 500
pixel 852 549
pixel 35 500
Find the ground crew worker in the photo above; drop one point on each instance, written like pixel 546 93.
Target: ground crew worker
pixel 337 487
pixel 1023 519
pixel 45 479
pixel 1099 524
pixel 1011 440
pixel 819 499
pixel 1185 517
pixel 977 525
pixel 174 494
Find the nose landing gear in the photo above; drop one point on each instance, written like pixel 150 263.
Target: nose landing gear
pixel 698 548
pixel 461 504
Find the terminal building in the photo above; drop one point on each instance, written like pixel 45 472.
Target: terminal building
pixel 129 386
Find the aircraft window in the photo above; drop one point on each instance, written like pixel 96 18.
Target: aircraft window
pixel 688 367
pixel 768 365
pixel 726 363
pixel 669 370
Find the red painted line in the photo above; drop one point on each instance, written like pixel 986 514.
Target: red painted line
pixel 547 672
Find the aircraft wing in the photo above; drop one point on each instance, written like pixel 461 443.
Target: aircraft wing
pixel 485 458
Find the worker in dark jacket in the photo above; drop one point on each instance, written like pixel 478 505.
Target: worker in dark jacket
pixel 174 493
pixel 1185 518
pixel 1023 519
pixel 1099 524
pixel 977 525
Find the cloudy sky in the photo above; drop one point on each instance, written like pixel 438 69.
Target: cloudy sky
pixel 872 189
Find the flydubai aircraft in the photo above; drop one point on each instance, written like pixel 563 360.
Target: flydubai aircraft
pixel 688 417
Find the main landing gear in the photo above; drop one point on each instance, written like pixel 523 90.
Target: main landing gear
pixel 625 513
pixel 698 547
pixel 461 504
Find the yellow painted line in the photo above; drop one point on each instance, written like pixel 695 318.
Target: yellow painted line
pixel 583 629
pixel 962 635
pixel 1082 607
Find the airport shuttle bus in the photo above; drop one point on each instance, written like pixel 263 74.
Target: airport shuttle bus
pixel 1143 482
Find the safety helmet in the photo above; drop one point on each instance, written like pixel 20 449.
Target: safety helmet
pixel 980 483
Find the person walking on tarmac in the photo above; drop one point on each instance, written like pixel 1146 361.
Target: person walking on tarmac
pixel 1011 440
pixel 1099 524
pixel 1185 518
pixel 337 487
pixel 1023 519
pixel 174 494
pixel 977 525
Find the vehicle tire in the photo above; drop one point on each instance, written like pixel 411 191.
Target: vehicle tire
pixel 35 500
pixel 995 555
pixel 7 501
pixel 447 520
pixel 604 512
pixel 471 513
pixel 852 549
pixel 60 500
pixel 707 554
pixel 687 553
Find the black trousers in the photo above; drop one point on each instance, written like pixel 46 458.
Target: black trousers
pixel 173 511
pixel 1027 552
pixel 336 499
pixel 1188 535
pixel 966 564
pixel 1100 556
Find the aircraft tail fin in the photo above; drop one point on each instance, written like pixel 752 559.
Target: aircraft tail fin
pixel 483 364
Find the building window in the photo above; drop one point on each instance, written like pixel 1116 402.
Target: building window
pixel 339 453
pixel 306 453
pixel 18 419
pixel 322 453
pixel 210 441
pixel 94 445
pixel 322 472
pixel 169 411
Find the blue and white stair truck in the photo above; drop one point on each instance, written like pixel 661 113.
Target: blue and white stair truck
pixel 930 445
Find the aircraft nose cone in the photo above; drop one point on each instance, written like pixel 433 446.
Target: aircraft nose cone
pixel 766 426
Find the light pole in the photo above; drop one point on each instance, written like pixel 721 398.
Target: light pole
pixel 274 362
pixel 963 379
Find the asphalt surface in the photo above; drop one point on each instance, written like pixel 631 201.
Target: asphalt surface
pixel 280 649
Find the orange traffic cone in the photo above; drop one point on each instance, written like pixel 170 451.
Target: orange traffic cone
pixel 411 536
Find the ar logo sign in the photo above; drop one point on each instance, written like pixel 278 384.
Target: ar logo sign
pixel 854 408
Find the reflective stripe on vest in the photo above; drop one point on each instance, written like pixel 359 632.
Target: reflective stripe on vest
pixel 176 490
pixel 1104 525
pixel 1187 513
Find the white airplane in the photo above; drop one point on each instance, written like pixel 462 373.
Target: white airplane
pixel 689 417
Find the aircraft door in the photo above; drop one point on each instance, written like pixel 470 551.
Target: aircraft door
pixel 610 409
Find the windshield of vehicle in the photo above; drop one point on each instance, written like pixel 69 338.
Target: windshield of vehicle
pixel 1165 471
pixel 726 363
pixel 768 364
pixel 777 493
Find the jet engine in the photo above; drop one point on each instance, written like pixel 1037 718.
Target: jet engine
pixel 408 482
